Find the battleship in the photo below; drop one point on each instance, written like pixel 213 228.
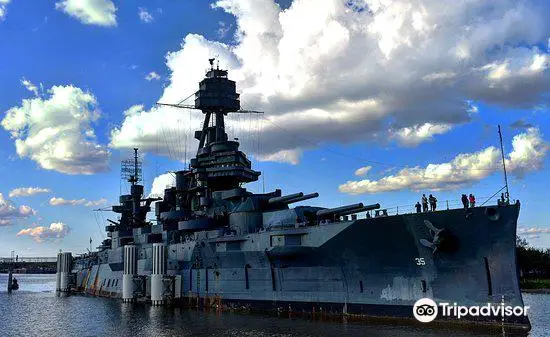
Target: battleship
pixel 214 244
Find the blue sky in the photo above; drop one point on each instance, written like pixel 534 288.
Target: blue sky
pixel 411 92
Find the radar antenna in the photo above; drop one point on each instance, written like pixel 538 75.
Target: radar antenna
pixel 130 169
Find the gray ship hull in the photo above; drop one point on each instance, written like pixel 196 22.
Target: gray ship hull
pixel 374 267
pixel 217 244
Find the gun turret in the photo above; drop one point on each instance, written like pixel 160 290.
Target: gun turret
pixel 283 199
pixel 349 209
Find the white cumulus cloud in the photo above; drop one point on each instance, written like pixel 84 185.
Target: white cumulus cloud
pixel 533 230
pixel 144 15
pixel 55 201
pixel 29 86
pixel 152 76
pixel 56 230
pixel 3 8
pixel 416 134
pixel 529 150
pixel 27 191
pixel 223 29
pixel 347 71
pixel 162 182
pixel 90 12
pixel 56 132
pixel 290 156
pixel 362 171
pixel 10 212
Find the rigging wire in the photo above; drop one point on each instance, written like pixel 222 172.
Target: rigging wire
pixel 181 137
pixel 329 150
pixel 189 130
pixel 185 99
pixel 185 154
pixel 170 142
pixel 98 223
pixel 156 157
pixel 177 140
pixel 167 143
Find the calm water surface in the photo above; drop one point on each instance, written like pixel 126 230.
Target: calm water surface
pixel 35 310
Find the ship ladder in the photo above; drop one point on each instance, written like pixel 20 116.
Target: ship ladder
pixel 198 263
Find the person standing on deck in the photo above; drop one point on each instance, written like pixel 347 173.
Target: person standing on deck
pixel 418 207
pixel 433 203
pixel 424 203
pixel 465 201
pixel 472 201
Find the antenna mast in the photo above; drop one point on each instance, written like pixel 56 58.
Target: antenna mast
pixel 135 166
pixel 504 165
pixel 131 169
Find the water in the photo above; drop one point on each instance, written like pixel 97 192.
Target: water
pixel 35 310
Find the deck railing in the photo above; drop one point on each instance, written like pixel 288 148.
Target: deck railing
pixel 441 205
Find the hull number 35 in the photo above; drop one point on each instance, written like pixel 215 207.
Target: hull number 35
pixel 420 261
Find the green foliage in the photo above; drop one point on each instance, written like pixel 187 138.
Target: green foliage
pixel 534 283
pixel 521 243
pixel 534 264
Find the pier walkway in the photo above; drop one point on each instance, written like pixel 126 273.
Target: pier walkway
pixel 29 265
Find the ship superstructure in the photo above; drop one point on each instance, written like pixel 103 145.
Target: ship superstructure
pixel 215 243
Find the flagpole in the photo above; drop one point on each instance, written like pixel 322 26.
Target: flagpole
pixel 504 165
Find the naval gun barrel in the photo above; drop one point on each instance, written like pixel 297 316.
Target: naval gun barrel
pixel 302 198
pixel 354 208
pixel 276 200
pixel 113 222
pixel 359 210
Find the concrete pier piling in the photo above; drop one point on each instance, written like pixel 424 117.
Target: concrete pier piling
pixel 130 267
pixel 64 264
pixel 159 271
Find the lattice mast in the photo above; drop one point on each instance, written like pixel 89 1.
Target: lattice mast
pixel 130 169
pixel 132 208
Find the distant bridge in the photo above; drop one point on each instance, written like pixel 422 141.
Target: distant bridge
pixel 29 265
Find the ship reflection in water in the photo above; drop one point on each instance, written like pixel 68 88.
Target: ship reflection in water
pixel 36 311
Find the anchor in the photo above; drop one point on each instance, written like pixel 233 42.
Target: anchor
pixel 443 239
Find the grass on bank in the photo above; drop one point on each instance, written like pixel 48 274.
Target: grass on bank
pixel 534 283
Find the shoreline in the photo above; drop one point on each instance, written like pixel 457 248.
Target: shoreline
pixel 536 291
pixel 535 285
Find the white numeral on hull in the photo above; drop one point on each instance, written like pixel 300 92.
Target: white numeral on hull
pixel 420 261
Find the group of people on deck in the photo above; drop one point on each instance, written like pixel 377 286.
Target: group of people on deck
pixel 467 201
pixel 424 207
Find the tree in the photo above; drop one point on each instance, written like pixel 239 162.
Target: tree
pixel 532 262
pixel 521 242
